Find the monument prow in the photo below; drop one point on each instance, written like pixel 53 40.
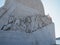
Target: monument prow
pixel 23 22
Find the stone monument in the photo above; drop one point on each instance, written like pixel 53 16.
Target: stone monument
pixel 23 22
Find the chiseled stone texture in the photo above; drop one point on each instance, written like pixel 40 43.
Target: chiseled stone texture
pixel 34 4
pixel 44 36
pixel 23 22
pixel 29 18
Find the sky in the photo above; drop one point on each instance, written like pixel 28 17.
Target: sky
pixel 2 2
pixel 52 7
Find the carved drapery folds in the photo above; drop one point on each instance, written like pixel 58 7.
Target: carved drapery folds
pixel 28 23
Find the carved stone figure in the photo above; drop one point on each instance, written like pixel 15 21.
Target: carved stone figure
pixel 23 22
pixel 23 16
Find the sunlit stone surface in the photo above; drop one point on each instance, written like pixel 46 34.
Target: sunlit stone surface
pixel 23 22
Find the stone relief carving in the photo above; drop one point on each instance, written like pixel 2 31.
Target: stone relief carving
pixel 9 24
pixel 28 24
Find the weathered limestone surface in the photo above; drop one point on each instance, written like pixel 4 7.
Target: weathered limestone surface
pixel 16 15
pixel 23 21
pixel 44 36
pixel 35 4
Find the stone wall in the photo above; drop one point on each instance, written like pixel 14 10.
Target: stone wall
pixel 44 36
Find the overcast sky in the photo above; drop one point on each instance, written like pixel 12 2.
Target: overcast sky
pixel 52 7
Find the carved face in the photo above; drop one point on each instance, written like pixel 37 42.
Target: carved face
pixel 28 19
